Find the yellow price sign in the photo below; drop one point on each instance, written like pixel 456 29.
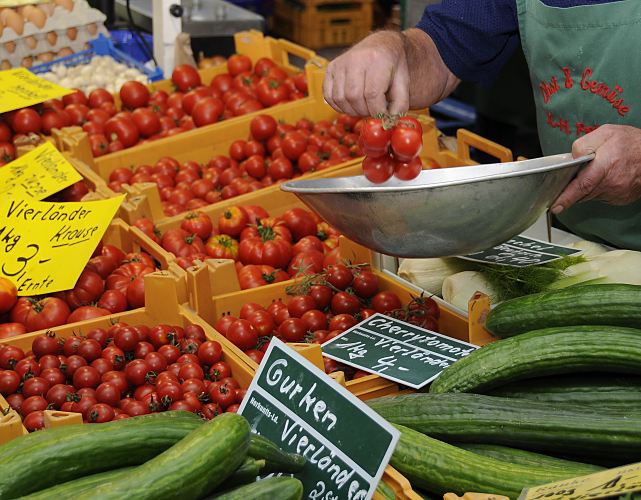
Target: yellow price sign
pixel 20 88
pixel 607 483
pixel 45 246
pixel 40 173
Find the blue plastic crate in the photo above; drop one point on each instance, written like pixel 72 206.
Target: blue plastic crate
pixel 101 46
pixel 126 40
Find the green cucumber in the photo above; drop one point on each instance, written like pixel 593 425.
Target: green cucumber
pixel 248 471
pixel 45 458
pixel 69 490
pixel 280 487
pixel 522 457
pixel 276 459
pixel 441 468
pixel 609 304
pixel 550 351
pixel 606 390
pixel 191 468
pixel 563 430
pixel 385 490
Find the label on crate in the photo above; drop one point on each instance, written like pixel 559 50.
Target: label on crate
pixel 39 173
pixel 45 246
pixel 396 350
pixel 304 411
pixel 20 88
pixel 604 484
pixel 521 251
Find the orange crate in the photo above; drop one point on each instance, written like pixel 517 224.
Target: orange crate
pixel 320 24
pixel 162 297
pixel 211 305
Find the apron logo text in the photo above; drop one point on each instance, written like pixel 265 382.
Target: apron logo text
pixel 603 90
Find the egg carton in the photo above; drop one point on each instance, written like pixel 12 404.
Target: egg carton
pixel 36 49
pixel 33 20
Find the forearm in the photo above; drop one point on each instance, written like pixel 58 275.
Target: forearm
pixel 430 80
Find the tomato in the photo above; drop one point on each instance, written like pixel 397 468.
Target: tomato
pixel 84 313
pixel 77 114
pixel 408 171
pixel 98 97
pixel 36 386
pixel 223 323
pixel 5 132
pixel 40 314
pixel 322 295
pixel 206 111
pixel 280 168
pixel 375 137
pixel 300 304
pixel 293 330
pixel 219 371
pixel 51 376
pixel 128 280
pixel 342 322
pixel 185 77
pixel 271 91
pixel 76 97
pixel 34 421
pixel 242 334
pixel 86 376
pixel 345 303
pixel 269 248
pixel 262 321
pixel 8 330
pixel 252 276
pixel 378 170
pixel 89 349
pixel 100 413
pixel 26 121
pixel 58 394
pixel 384 302
pixel 87 289
pixel 9 356
pixel 406 141
pixel 147 122
pixel 53 120
pixel 222 395
pixel 137 372
pixel 113 301
pixel 33 403
pixel 314 320
pixel 238 63
pixel 120 129
pixel 232 221
pixel 134 94
pixel 294 145
pixel 137 408
pixel 365 284
pixel 9 382
pixel 126 338
pixel 263 127
pixel 263 65
pixel 339 276
pixel 197 223
pixel 44 344
pixel 7 152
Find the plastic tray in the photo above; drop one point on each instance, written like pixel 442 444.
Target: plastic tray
pixel 101 46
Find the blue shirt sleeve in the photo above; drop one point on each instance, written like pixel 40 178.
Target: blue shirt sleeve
pixel 475 38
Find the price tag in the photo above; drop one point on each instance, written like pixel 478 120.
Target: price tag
pixel 40 173
pixel 522 252
pixel 301 409
pixel 607 483
pixel 44 246
pixel 396 350
pixel 20 88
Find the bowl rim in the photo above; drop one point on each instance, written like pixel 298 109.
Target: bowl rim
pixel 310 186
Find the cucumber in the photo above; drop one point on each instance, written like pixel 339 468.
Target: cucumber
pixel 522 457
pixel 440 468
pixel 600 390
pixel 609 304
pixel 190 469
pixel 276 459
pixel 385 491
pixel 45 458
pixel 280 487
pixel 248 471
pixel 563 430
pixel 69 490
pixel 544 352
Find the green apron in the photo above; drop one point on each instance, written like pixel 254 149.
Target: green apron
pixel 585 67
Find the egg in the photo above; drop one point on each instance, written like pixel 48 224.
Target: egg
pixel 10 47
pixel 47 8
pixel 12 19
pixel 65 51
pixel 52 38
pixel 31 42
pixel 34 15
pixel 5 65
pixel 65 4
pixel 72 33
pixel 92 28
pixel 45 57
pixel 27 62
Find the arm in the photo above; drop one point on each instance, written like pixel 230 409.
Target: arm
pixel 614 176
pixel 388 72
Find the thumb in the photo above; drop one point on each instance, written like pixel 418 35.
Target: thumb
pixel 399 91
pixel 591 142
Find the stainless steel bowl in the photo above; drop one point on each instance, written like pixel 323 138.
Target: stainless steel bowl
pixel 443 212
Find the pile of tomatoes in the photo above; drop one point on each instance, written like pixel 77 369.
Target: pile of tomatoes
pixel 321 307
pixel 111 282
pixel 267 249
pixel 391 146
pixel 121 372
pixel 274 152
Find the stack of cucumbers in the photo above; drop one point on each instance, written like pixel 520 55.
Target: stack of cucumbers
pixel 158 456
pixel 559 396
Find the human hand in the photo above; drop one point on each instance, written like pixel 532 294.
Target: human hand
pixel 614 176
pixel 370 78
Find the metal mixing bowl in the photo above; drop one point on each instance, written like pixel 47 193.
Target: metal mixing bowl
pixel 443 212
